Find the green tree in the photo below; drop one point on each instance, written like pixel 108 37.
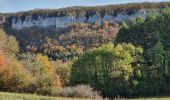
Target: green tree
pixel 106 68
pixel 157 70
pixel 153 35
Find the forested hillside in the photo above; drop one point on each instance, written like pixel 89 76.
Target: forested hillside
pixel 90 60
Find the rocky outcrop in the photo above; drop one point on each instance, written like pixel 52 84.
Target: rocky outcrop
pixel 64 21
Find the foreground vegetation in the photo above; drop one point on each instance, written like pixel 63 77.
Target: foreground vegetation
pixel 125 59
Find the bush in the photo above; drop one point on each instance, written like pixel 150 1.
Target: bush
pixel 48 85
pixel 44 85
pixel 80 91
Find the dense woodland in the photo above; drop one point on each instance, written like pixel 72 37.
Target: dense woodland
pixel 126 59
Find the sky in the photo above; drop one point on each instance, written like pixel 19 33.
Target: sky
pixel 24 5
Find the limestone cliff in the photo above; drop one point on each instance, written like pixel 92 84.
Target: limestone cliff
pixel 64 21
pixel 64 17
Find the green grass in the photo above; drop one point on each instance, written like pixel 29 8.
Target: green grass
pixel 153 98
pixel 15 96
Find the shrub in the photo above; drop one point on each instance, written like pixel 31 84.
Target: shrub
pixel 44 86
pixel 80 91
pixel 48 85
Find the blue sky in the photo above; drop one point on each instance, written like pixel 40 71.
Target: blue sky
pixel 23 5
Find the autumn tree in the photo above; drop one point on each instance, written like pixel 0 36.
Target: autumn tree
pixel 46 65
pixel 1 59
pixel 64 71
pixel 105 24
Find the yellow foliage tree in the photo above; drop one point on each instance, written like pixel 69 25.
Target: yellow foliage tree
pixel 46 65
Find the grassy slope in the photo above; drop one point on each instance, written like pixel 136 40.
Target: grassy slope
pixel 14 96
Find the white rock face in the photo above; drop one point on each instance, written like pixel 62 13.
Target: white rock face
pixel 2 20
pixel 61 22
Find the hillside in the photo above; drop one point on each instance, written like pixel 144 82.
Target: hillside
pixel 99 52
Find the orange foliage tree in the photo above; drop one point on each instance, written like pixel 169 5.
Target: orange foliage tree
pixel 57 82
pixel 1 59
pixel 105 24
